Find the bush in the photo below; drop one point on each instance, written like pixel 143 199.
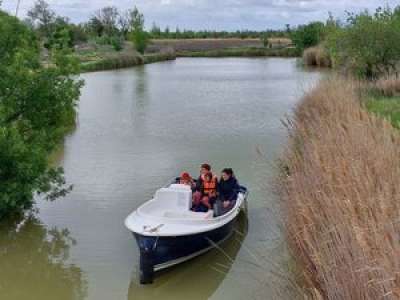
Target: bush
pixel 308 35
pixel 140 40
pixel 369 45
pixel 116 43
pixel 78 34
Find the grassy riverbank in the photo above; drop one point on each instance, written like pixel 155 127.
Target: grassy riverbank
pixel 339 187
pixel 241 52
pixel 95 57
pixel 125 61
pixel 386 107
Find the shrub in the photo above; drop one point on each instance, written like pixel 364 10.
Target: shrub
pixel 140 40
pixel 308 35
pixel 117 43
pixel 368 44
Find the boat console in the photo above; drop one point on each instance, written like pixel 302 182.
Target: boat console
pixel 173 202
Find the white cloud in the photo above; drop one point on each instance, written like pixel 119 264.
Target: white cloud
pixel 213 14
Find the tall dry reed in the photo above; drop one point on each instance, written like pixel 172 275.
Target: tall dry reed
pixel 388 86
pixel 317 57
pixel 340 191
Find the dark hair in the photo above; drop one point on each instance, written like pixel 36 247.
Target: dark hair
pixel 206 166
pixel 228 171
pixel 209 175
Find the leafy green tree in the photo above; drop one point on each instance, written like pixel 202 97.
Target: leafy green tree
pixel 306 36
pixel 42 18
pixel 108 17
pixel 139 37
pixel 95 26
pixel 369 44
pixel 37 107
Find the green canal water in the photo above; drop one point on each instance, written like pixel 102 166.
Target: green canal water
pixel 137 128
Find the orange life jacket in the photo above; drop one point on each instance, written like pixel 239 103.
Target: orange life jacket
pixel 213 177
pixel 210 187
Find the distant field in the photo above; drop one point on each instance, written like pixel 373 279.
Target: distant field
pixel 211 44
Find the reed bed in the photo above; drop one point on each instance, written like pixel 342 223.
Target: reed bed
pixel 340 194
pixel 388 86
pixel 317 57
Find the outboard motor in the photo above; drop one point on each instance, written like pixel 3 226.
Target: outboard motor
pixel 146 266
pixel 147 248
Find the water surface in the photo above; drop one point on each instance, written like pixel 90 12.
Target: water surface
pixel 138 128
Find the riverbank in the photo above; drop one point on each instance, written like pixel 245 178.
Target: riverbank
pixel 242 52
pixel 95 57
pixel 339 188
pixel 125 61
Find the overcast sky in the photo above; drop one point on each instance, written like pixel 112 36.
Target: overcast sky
pixel 213 14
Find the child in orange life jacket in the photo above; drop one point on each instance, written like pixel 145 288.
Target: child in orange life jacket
pixel 208 192
pixel 197 193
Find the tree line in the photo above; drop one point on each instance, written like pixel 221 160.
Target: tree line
pixel 112 26
pixel 106 26
pixel 367 43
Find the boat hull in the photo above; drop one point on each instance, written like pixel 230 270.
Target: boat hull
pixel 158 253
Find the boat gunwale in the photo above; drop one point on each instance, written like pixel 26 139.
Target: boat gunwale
pixel 206 224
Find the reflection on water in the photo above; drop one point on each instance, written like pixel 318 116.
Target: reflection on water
pixel 195 279
pixel 34 263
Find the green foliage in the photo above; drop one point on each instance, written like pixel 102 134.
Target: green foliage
pixel 117 43
pixel 369 44
pixel 388 108
pixel 78 34
pixel 37 107
pixel 306 36
pixel 51 27
pixel 140 40
pixel 42 18
pixel 139 37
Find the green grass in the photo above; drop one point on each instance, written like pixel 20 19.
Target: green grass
pixel 389 108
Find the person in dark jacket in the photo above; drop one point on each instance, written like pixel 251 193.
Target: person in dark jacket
pixel 228 188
